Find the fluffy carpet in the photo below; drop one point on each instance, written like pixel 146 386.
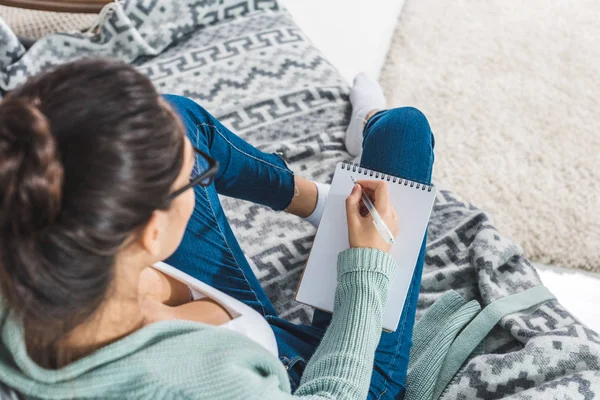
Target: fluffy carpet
pixel 512 91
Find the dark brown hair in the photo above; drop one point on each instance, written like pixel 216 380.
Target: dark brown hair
pixel 87 152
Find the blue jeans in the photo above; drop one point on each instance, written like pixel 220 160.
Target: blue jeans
pixel 397 142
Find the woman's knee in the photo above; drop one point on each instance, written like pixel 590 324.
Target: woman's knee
pixel 404 123
pixel 409 119
pixel 409 115
pixel 399 142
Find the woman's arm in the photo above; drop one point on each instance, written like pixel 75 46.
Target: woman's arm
pixel 341 367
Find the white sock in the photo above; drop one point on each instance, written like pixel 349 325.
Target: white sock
pixel 322 193
pixel 366 95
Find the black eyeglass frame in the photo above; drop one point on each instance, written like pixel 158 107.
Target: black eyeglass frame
pixel 213 168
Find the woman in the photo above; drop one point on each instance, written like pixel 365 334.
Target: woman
pixel 99 177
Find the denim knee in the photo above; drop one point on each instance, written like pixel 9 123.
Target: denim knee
pixel 408 115
pixel 399 142
pixel 407 121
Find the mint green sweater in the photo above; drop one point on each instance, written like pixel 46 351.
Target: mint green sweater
pixel 190 360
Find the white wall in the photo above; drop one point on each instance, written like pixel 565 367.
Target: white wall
pixel 354 34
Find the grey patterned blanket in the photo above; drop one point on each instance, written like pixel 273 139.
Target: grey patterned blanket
pixel 249 64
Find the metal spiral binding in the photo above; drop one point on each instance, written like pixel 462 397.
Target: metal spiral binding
pixel 380 175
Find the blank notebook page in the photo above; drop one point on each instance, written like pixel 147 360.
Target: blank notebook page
pixel 413 203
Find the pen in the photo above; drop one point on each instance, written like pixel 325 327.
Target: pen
pixel 382 228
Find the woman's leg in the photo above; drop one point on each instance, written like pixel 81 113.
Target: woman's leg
pixel 209 251
pixel 398 142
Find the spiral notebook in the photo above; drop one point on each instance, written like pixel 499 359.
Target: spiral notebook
pixel 413 203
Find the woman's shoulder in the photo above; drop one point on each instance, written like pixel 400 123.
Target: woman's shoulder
pixel 171 357
pixel 208 358
pixel 180 339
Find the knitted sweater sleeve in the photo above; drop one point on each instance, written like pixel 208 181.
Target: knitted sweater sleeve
pixel 342 365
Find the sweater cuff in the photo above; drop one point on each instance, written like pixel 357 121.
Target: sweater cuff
pixel 366 259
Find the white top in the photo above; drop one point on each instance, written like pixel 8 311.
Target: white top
pixel 245 320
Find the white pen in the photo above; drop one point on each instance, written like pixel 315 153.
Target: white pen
pixel 382 228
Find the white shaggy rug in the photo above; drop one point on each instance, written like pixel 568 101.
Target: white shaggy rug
pixel 512 91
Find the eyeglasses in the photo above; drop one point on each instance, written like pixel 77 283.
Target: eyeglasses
pixel 205 169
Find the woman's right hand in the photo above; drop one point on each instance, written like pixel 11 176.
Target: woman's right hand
pixel 361 230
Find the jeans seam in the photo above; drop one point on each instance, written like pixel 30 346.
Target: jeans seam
pixel 384 391
pixel 290 369
pixel 393 361
pixel 294 360
pixel 243 152
pixel 214 215
pixel 231 251
pixel 430 168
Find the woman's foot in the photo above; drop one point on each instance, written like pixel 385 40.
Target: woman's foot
pixel 366 97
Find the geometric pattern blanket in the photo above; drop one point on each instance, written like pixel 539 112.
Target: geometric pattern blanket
pixel 248 63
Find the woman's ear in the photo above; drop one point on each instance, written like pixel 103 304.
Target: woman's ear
pixel 152 235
